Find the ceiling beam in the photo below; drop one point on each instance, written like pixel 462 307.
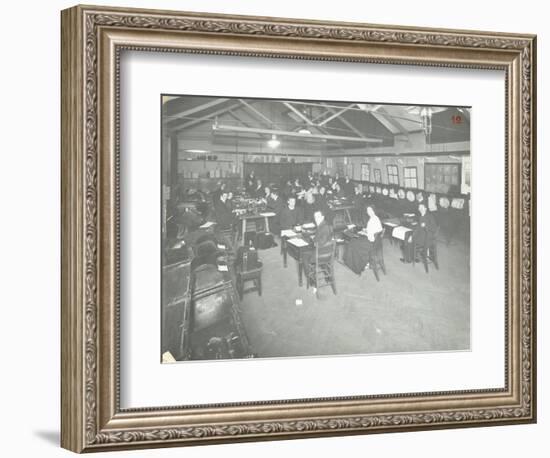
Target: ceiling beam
pixel 207 118
pixel 335 114
pixel 258 113
pixel 197 109
pixel 384 117
pixel 349 125
pixel 298 113
pixel 285 133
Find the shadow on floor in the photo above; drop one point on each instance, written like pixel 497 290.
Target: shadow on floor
pixel 52 437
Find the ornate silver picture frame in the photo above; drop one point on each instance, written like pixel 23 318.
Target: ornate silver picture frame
pixel 93 39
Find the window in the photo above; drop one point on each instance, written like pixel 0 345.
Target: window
pixel 377 176
pixel 365 172
pixel 393 175
pixel 410 178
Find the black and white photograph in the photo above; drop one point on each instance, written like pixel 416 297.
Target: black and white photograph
pixel 300 228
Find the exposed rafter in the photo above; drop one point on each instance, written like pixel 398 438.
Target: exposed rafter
pixel 209 117
pixel 284 133
pixel 348 124
pixel 258 113
pixel 197 109
pixel 298 113
pixel 335 115
pixel 386 120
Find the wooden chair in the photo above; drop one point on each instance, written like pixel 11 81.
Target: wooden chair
pixel 426 252
pixel 320 269
pixel 376 257
pixel 248 270
pixel 254 276
pixel 230 237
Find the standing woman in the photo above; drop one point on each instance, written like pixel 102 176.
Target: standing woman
pixel 250 182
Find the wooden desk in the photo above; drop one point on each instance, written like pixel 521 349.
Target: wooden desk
pixel 345 211
pixel 253 217
pixel 297 252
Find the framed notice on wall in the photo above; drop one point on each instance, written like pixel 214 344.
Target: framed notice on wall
pixel 442 177
pixel 365 172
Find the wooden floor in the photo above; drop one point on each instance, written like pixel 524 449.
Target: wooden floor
pixel 407 311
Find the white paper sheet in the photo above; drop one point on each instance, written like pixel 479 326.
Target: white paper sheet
pixel 400 232
pixel 288 233
pixel 298 242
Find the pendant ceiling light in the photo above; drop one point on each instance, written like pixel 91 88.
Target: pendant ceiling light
pixel 274 142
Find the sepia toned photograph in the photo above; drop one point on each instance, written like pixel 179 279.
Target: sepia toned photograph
pixel 301 228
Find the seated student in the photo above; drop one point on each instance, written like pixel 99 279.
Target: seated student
pixel 308 208
pixel 229 202
pixel 423 235
pixel 330 184
pixel 290 215
pixel 337 190
pixel 274 203
pixel 286 189
pixel 321 196
pixel 359 250
pixel 321 202
pixel 323 236
pixel 324 178
pixel 267 193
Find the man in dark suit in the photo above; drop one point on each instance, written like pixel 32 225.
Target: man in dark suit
pixel 250 182
pixel 224 215
pixel 422 236
pixel 218 192
pixel 258 190
pixel 275 204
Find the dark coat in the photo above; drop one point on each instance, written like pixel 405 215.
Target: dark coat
pixel 224 215
pixel 257 191
pixel 275 205
pixel 323 234
pixel 250 183
pixel 348 189
pixel 290 218
pixel 308 210
pixel 427 228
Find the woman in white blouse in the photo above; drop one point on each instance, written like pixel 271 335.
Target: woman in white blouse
pixel 374 225
pixel 358 251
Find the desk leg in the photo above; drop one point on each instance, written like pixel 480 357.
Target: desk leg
pixel 300 270
pixel 243 229
pixel 283 246
pixel 346 211
pixel 267 224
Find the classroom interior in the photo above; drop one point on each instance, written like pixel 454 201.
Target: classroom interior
pixel 298 228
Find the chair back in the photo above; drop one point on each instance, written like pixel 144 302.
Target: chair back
pixel 205 248
pixel 378 241
pixel 325 253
